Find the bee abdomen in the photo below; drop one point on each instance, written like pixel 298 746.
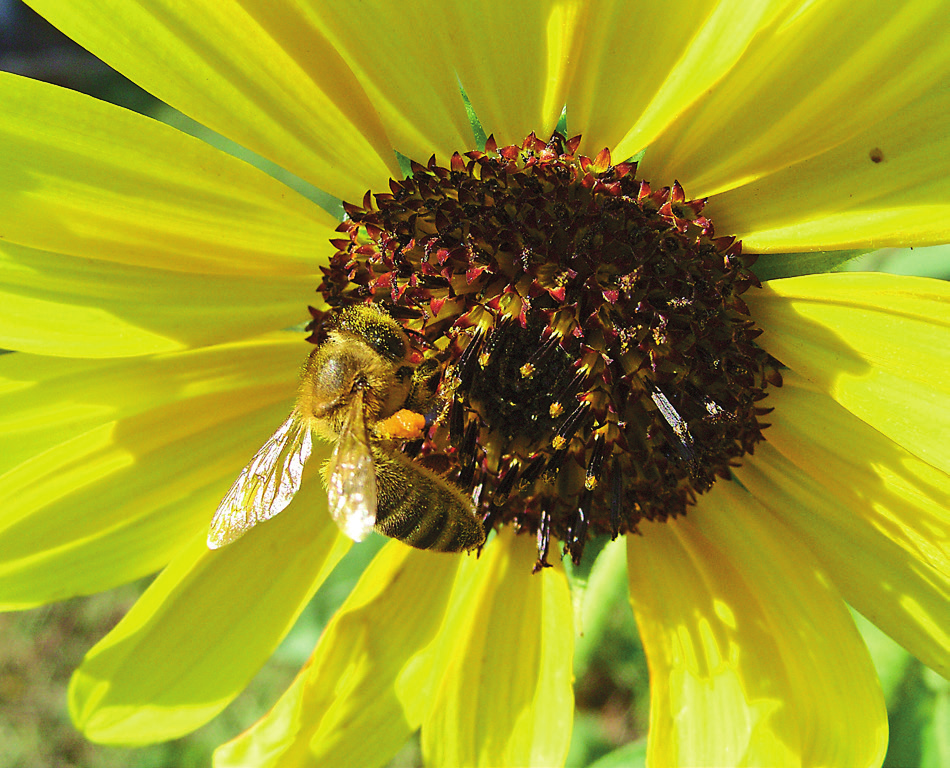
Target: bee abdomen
pixel 421 509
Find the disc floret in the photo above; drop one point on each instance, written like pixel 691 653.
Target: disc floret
pixel 599 364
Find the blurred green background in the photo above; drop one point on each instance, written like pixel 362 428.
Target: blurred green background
pixel 40 648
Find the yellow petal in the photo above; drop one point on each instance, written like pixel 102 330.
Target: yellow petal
pixel 107 468
pixel 345 707
pixel 754 659
pixel 74 307
pixel 875 516
pixel 205 626
pixel 511 59
pixel 636 67
pixel 878 344
pixel 88 179
pixel 887 185
pixel 258 72
pixel 506 697
pixel 813 78
pixel 413 89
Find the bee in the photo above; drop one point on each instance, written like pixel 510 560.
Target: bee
pixel 360 389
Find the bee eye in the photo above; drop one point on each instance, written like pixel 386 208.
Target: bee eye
pixel 332 379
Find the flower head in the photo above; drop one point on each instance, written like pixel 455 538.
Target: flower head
pixel 602 360
pixel 565 300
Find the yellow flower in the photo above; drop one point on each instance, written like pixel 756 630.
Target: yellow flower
pixel 146 280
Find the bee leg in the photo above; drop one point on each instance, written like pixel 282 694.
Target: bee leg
pixel 424 385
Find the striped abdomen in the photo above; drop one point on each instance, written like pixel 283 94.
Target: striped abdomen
pixel 420 508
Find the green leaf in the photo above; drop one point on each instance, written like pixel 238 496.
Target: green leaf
pixel 771 266
pixel 890 659
pixel 932 261
pixel 632 755
pixel 911 722
pixel 935 746
pixel 595 604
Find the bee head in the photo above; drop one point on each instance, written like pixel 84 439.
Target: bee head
pixel 373 327
pixel 343 368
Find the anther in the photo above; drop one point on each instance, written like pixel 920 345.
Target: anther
pixel 685 443
pixel 505 483
pixel 573 422
pixel 496 339
pixel 616 502
pixel 713 409
pixel 456 420
pixel 468 454
pixel 466 368
pixel 568 393
pixel 577 535
pixel 596 462
pixel 533 471
pixel 544 541
pixel 538 358
pixel 555 463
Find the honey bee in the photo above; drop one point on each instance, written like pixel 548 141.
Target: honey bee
pixel 359 389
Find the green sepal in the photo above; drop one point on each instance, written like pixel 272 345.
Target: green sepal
pixel 771 266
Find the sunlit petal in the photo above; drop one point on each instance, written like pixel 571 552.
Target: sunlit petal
pixel 886 186
pixel 345 708
pixel 87 179
pixel 511 59
pixel 108 468
pixel 754 659
pixel 67 306
pixel 635 67
pixel 814 77
pixel 878 344
pixel 204 627
pixel 877 517
pixel 269 79
pixel 505 697
pixel 419 102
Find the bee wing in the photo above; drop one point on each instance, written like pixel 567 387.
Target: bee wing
pixel 266 485
pixel 351 478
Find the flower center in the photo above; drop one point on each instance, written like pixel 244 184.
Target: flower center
pixel 598 362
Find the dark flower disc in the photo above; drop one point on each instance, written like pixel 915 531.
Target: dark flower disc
pixel 599 365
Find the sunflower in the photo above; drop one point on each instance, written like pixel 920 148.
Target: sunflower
pixel 152 286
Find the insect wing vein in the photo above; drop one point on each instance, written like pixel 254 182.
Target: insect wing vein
pixel 266 485
pixel 351 478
